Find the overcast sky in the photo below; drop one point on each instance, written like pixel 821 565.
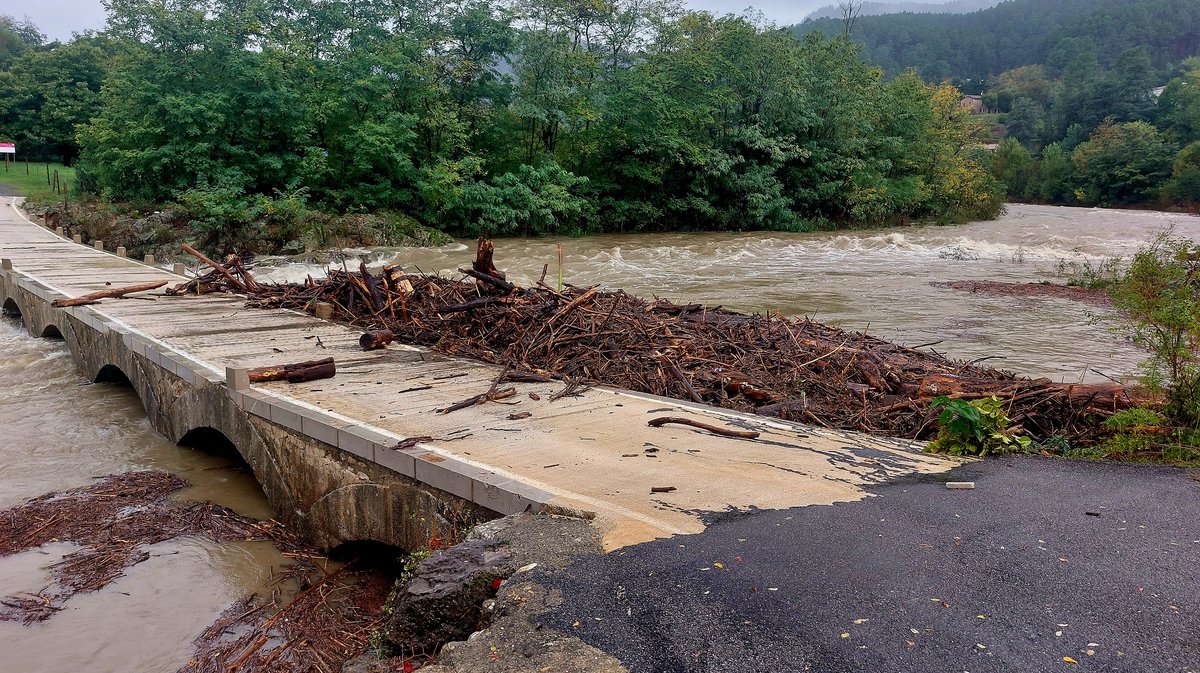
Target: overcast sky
pixel 59 18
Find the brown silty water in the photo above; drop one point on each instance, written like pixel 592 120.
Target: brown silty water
pixel 61 432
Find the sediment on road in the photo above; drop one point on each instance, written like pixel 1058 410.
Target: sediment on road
pixel 767 364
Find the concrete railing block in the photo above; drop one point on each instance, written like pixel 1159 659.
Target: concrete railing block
pixel 358 440
pixel 323 310
pixel 99 245
pixel 445 474
pixel 255 403
pixel 121 252
pixel 180 270
pixel 59 231
pixel 319 429
pixel 506 496
pixel 6 264
pixel 148 260
pixel 286 414
pixel 77 238
pixel 237 380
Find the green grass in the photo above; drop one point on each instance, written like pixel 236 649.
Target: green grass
pixel 33 185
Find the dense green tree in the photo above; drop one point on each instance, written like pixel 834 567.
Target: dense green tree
pixel 1178 111
pixel 1025 120
pixel 1123 164
pixel 17 38
pixel 1054 179
pixel 1184 185
pixel 1013 165
pixel 536 116
pixel 47 93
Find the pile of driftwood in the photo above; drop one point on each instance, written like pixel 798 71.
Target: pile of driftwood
pixel 794 369
pixel 114 520
pixel 313 621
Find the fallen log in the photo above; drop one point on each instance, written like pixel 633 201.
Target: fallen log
pixel 724 432
pixel 376 339
pixel 217 267
pixel 114 293
pixel 298 372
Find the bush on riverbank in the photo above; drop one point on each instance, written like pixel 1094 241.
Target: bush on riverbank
pixel 282 225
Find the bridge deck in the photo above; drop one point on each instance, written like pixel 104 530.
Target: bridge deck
pixel 593 452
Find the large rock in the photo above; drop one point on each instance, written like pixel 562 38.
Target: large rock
pixel 443 601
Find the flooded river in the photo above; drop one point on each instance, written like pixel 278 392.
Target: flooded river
pixel 61 432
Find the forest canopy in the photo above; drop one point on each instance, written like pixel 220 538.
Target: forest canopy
pixel 482 118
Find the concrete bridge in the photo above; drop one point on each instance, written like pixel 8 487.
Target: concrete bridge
pixel 325 452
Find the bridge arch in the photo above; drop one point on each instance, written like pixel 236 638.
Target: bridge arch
pixel 11 309
pixel 210 440
pixel 51 332
pixel 113 374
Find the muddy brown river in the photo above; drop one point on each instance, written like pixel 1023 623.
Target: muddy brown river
pixel 60 431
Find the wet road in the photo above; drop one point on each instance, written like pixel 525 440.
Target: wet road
pixel 1043 561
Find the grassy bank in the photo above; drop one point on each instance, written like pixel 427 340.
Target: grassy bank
pixel 30 179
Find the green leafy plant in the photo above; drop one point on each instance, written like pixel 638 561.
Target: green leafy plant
pixel 1158 304
pixel 975 428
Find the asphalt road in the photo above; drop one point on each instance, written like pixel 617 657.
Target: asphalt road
pixel 1042 561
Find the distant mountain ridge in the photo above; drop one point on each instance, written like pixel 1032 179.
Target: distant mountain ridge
pixel 1014 33
pixel 878 8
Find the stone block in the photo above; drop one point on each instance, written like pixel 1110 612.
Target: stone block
pixel 77 238
pixel 121 251
pixel 445 474
pixel 180 270
pixel 6 264
pixel 503 495
pixel 400 462
pixel 99 245
pixel 148 260
pixel 318 428
pixel 255 403
pixel 237 379
pixel 360 441
pixel 286 414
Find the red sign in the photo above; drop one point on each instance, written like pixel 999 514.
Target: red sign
pixel 8 148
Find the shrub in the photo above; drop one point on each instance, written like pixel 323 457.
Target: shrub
pixel 1158 300
pixel 976 428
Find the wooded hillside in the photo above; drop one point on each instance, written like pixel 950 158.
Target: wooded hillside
pixel 1021 32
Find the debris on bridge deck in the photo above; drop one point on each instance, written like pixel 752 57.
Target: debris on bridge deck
pixel 791 368
pixel 298 372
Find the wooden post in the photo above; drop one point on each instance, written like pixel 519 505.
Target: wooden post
pixel 26 165
pixel 47 173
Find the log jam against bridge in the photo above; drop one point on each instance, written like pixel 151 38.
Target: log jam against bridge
pixel 794 369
